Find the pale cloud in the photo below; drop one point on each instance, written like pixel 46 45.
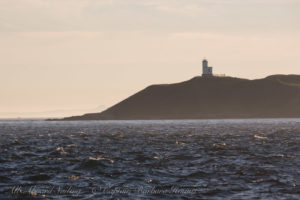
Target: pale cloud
pixel 153 15
pixel 188 8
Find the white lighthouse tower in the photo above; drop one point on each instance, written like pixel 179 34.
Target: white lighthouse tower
pixel 206 71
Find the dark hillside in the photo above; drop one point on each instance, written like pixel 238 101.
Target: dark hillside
pixel 210 97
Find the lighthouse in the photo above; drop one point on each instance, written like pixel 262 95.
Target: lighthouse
pixel 206 70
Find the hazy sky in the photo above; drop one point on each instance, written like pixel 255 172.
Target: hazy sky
pixel 78 55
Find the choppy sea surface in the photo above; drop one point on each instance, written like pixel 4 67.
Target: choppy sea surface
pixel 180 159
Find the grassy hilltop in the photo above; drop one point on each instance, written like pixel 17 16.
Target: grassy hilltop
pixel 209 97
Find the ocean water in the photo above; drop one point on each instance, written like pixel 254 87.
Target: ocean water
pixel 192 159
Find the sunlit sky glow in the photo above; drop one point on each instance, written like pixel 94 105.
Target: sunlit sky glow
pixel 81 56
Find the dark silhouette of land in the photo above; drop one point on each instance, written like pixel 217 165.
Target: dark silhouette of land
pixel 276 96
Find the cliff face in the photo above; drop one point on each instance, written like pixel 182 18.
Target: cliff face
pixel 210 97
